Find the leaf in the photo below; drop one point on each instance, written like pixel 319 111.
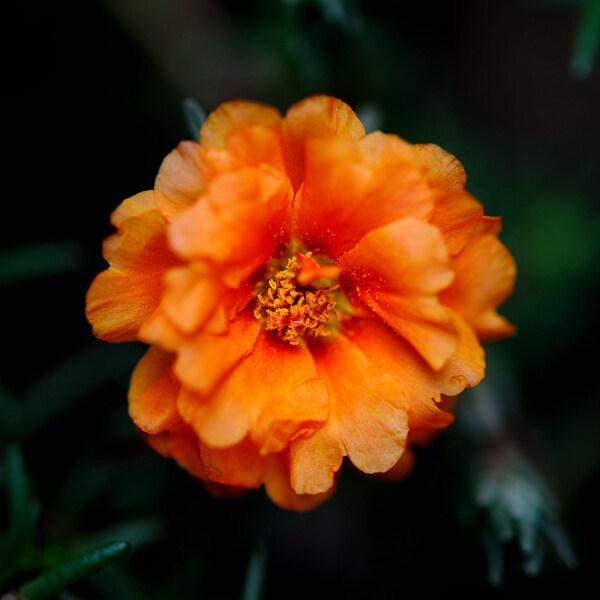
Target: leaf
pixel 43 259
pixel 255 575
pixel 138 532
pixel 57 579
pixel 23 513
pixel 194 117
pixel 587 40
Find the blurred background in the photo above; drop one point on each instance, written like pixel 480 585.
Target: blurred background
pixel 506 499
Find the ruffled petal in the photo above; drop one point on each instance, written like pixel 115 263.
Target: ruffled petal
pixel 238 225
pixel 240 465
pixel 205 358
pixel 444 170
pixel 485 275
pixel 181 443
pixel 181 179
pixel 367 421
pixel 234 115
pixel 121 298
pixel 273 394
pixel 457 215
pixel 153 392
pixel 315 118
pixel 421 385
pixel 353 186
pixel 278 488
pixel 398 270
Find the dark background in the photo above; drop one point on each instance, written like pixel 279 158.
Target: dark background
pixel 93 94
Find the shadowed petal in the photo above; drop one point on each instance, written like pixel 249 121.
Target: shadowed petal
pixel 153 392
pixel 278 488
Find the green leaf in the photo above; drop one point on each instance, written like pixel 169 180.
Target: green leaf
pixel 57 579
pixel 255 575
pixel 10 413
pixel 194 117
pixel 587 41
pixel 32 261
pixel 23 514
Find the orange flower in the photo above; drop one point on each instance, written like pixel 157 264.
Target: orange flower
pixel 309 293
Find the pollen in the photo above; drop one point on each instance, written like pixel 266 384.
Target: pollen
pixel 295 312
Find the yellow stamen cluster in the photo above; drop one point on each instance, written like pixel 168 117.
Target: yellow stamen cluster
pixel 294 311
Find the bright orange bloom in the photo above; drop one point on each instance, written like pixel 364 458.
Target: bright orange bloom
pixel 309 293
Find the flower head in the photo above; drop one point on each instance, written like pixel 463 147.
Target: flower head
pixel 308 292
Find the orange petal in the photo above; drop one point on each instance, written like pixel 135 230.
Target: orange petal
pixel 240 465
pixel 153 392
pixel 278 488
pixel 273 394
pixel 401 469
pixel 133 207
pixel 488 225
pixel 422 386
pixel 398 270
pixel 205 358
pixel 121 298
pixel 457 215
pixel 485 275
pixel 256 147
pixel 443 169
pixel 238 225
pixel 181 443
pixel 230 116
pixel 312 118
pixel 191 297
pixel 367 419
pixel 181 179
pixel 353 186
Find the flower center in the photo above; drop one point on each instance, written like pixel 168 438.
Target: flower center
pixel 299 300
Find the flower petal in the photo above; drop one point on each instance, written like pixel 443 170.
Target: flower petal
pixel 314 118
pixel 353 186
pixel 153 392
pixel 273 394
pixel 421 385
pixel 398 270
pixel 181 179
pixel 367 419
pixel 239 465
pixel 485 275
pixel 230 116
pixel 205 358
pixel 121 298
pixel 237 226
pixel 278 488
pixel 181 443
pixel 444 170
pixel 457 215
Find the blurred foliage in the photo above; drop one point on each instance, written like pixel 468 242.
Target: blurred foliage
pixel 511 88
